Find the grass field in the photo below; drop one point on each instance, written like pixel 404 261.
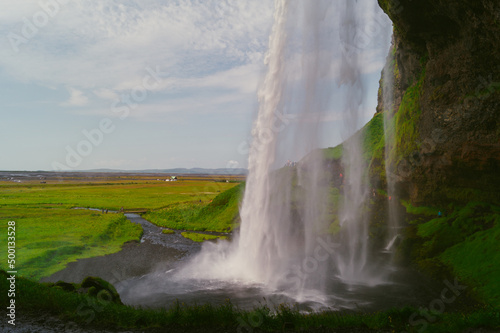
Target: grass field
pixel 49 233
pixel 113 196
pixel 197 237
pixel 49 237
pixel 221 214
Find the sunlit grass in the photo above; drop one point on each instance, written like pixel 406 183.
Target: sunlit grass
pixel 49 233
pixel 112 196
pixel 220 215
pixel 48 238
pixel 197 237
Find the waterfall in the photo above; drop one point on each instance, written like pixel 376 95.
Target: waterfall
pixel 283 243
pixel 352 262
pixel 393 223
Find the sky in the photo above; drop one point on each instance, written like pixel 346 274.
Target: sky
pixel 142 84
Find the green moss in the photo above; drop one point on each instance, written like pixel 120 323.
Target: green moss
pixel 334 153
pixel 477 260
pixel 334 227
pixel 422 210
pixel 433 226
pixel 397 75
pixel 445 232
pixel 467 241
pixel 168 231
pixel 101 288
pixel 407 120
pixel 373 138
pixel 388 5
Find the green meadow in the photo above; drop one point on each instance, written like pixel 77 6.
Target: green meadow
pixel 198 237
pixel 221 214
pixel 50 233
pixel 113 195
pixel 47 238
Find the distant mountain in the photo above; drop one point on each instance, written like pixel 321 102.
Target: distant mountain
pixel 220 171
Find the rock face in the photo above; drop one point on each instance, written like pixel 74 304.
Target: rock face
pixel 452 47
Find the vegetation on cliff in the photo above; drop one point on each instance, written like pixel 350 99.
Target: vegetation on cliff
pixel 462 242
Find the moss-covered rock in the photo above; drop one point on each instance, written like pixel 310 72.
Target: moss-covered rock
pixel 98 287
pixel 66 286
pixel 444 67
pixel 450 150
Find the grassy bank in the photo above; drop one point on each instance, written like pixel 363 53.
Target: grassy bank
pixel 87 311
pixel 221 214
pixel 48 238
pixel 197 237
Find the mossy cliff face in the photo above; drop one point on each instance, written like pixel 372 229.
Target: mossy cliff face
pixel 446 99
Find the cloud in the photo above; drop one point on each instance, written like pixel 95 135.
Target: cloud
pixel 102 50
pixel 173 108
pixel 232 164
pixel 209 53
pixel 106 94
pixel 242 78
pixel 104 44
pixel 77 98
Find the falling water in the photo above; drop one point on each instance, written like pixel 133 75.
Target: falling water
pixel 283 243
pixel 393 222
pixel 353 260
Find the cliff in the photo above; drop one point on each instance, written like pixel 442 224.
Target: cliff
pixel 446 71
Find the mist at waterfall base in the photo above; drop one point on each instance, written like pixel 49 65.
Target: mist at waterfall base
pixel 285 251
